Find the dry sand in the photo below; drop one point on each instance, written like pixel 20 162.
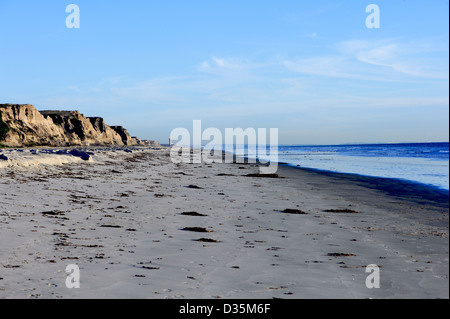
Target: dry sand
pixel 119 217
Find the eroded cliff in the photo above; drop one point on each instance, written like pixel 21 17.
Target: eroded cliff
pixel 23 125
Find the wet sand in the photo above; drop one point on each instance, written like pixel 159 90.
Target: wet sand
pixel 139 226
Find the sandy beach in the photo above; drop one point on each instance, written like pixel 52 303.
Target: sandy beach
pixel 139 226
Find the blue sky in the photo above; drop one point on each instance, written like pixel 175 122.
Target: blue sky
pixel 310 68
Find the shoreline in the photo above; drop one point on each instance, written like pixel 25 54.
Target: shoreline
pixel 440 192
pixel 425 163
pixel 394 186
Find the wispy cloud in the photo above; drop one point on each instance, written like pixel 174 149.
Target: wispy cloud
pixel 415 59
pixel 226 66
pixel 157 90
pixel 384 60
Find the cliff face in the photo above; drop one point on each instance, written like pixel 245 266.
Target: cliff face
pixel 23 125
pixel 29 127
pixel 81 130
pixel 126 138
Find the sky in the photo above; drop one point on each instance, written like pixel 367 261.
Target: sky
pixel 312 69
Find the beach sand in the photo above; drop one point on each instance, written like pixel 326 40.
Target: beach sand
pixel 132 223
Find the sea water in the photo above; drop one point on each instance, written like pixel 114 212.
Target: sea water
pixel 426 163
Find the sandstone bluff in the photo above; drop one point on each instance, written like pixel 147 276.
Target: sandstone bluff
pixel 23 125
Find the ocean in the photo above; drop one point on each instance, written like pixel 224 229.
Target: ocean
pixel 426 163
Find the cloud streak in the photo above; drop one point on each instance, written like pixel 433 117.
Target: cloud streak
pixel 383 60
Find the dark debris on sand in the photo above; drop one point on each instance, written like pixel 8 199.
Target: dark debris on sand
pixel 294 211
pixel 195 214
pixel 263 175
pixel 194 187
pixel 341 211
pixel 340 255
pixel 53 213
pixel 207 240
pixel 197 229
